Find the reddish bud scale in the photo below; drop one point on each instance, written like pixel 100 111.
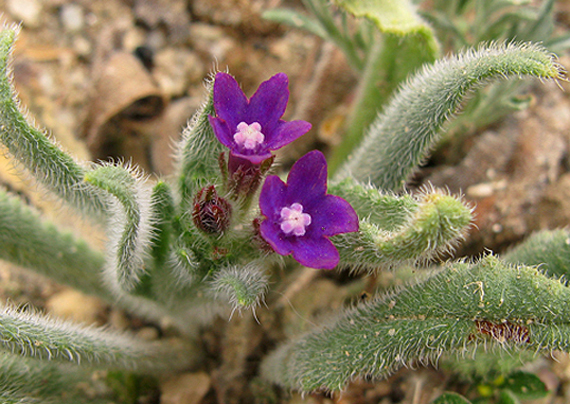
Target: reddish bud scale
pixel 258 240
pixel 503 332
pixel 211 214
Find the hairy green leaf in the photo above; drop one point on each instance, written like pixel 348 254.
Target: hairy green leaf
pixel 406 44
pixel 33 243
pixel 489 302
pixel 199 151
pixel 436 224
pixel 35 336
pixel 131 223
pixel 243 287
pixel 31 148
pixel 451 398
pixel 400 137
pixel 296 20
pixel 549 249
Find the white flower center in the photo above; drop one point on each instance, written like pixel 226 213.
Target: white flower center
pixel 249 136
pixel 294 221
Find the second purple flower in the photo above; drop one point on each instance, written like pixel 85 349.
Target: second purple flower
pixel 301 216
pixel 252 128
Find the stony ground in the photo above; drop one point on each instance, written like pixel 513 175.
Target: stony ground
pixel 118 79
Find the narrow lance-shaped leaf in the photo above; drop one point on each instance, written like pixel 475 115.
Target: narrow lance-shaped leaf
pixel 162 210
pixel 451 398
pixel 130 225
pixel 549 249
pixel 30 242
pixel 400 138
pixel 490 302
pixel 40 378
pixel 296 20
pixel 13 397
pixel 436 224
pixel 34 336
pixel 183 265
pixel 49 165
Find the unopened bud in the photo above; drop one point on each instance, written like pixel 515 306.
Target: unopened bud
pixel 211 214
pixel 244 176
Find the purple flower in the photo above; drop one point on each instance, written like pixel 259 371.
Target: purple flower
pixel 252 128
pixel 300 216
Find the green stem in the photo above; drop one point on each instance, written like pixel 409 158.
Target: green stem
pixel 368 100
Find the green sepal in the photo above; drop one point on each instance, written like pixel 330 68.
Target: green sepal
pixel 199 151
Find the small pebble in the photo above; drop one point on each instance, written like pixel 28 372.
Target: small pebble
pixel 175 69
pixel 188 388
pixel 148 334
pixel 28 11
pixel 73 305
pixel 72 17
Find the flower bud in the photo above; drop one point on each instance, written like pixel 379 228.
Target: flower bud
pixel 211 214
pixel 244 176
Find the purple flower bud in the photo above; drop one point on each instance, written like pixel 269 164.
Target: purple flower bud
pixel 211 214
pixel 252 128
pixel 300 216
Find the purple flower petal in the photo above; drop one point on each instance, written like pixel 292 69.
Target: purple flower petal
pixel 287 132
pixel 307 179
pixel 271 233
pixel 230 103
pixel 222 131
pixel 318 253
pixel 272 198
pixel 335 216
pixel 268 103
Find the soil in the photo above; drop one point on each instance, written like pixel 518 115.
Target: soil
pixel 119 79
